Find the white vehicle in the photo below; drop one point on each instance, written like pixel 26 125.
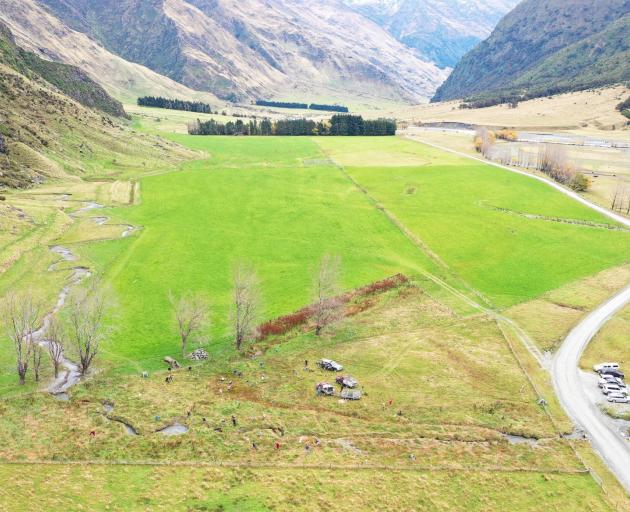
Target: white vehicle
pixel 330 365
pixel 606 366
pixel 612 388
pixel 323 388
pixel 602 382
pixel 618 398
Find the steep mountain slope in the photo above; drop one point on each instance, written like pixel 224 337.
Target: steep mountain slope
pixel 45 134
pixel 70 80
pixel 246 49
pixel 39 31
pixel 441 30
pixel 546 46
pixel 75 83
pixel 137 31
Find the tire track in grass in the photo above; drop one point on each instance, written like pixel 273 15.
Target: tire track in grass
pixel 315 467
pixel 419 244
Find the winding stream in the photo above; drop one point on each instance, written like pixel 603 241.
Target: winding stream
pixel 70 373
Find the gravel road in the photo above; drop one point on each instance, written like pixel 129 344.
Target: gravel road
pixel 605 438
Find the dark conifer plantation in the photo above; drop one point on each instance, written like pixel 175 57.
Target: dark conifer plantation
pixel 303 106
pixel 338 125
pixel 171 104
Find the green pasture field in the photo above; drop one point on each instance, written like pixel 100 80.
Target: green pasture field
pixel 279 204
pixel 137 488
pixel 509 236
pixel 272 203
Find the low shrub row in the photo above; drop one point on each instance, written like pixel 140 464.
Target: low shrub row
pixel 287 323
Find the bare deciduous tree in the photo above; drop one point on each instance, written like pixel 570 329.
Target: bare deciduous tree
pixel 525 159
pixel 553 160
pixel 191 313
pixel 246 304
pixel 326 303
pixel 55 345
pixel 484 140
pixel 86 328
pixel 20 316
pixel 36 350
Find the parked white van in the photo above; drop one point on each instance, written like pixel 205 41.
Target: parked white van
pixel 606 366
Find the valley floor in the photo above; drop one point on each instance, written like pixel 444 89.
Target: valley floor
pixel 450 419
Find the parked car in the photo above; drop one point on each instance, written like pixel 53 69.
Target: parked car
pixel 611 379
pixel 606 366
pixel 618 398
pixel 612 388
pixel 351 394
pixel 346 382
pixel 330 365
pixel 323 388
pixel 601 382
pixel 615 373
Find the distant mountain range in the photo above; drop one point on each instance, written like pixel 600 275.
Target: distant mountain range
pixel 544 47
pixel 248 49
pixel 236 49
pixel 361 52
pixel 440 30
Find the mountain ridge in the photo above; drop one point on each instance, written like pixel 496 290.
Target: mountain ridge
pixel 57 123
pixel 37 30
pixel 243 50
pixel 544 47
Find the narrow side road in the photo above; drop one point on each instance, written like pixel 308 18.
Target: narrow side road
pixel 613 449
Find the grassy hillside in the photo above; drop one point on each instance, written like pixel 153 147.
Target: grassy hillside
pixel 443 392
pixel 597 60
pixel 544 47
pixel 48 134
pixel 74 83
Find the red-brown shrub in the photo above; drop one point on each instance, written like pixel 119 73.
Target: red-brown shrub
pixel 287 323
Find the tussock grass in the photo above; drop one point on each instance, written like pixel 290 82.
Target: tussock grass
pixel 453 378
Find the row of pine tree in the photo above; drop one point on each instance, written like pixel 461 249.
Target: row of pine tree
pixel 338 125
